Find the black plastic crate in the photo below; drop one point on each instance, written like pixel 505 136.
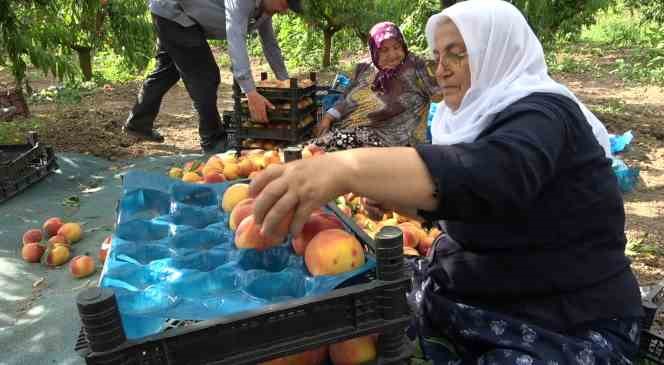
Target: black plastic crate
pixel 23 165
pixel 284 115
pixel 372 303
pixel 652 348
pixel 290 134
pixel 293 93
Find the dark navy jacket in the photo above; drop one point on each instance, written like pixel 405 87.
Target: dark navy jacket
pixel 536 217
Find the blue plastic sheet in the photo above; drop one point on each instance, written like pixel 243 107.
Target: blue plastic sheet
pixel 619 143
pixel 173 257
pixel 627 176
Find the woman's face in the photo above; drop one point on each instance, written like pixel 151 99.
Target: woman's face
pixel 390 54
pixel 453 72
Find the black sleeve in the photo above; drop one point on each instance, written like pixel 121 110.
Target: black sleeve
pixel 498 176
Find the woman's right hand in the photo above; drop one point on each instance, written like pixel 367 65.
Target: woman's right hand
pixel 323 126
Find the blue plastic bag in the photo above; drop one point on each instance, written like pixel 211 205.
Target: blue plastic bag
pixel 621 142
pixel 627 176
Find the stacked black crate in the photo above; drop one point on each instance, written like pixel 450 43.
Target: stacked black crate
pixel 290 122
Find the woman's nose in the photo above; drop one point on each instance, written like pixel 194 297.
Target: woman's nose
pixel 441 70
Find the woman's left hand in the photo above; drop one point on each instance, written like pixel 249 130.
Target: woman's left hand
pixel 297 188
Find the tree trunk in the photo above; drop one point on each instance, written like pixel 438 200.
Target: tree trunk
pixel 327 50
pixel 85 61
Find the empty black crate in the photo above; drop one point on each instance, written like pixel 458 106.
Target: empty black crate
pixel 363 306
pixel 23 165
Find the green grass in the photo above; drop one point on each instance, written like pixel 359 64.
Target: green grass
pixel 15 131
pixel 641 246
pixel 620 44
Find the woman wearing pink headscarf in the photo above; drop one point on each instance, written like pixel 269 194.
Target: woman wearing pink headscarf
pixel 387 101
pixel 532 268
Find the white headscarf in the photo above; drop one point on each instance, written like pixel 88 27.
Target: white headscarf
pixel 506 64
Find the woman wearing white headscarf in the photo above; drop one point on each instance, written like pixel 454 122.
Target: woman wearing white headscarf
pixel 532 268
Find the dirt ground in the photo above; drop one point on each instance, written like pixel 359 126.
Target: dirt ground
pixel 93 126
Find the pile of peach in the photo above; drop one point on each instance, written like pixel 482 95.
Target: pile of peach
pixel 417 240
pixel 229 166
pixel 355 351
pixel 53 243
pixel 327 248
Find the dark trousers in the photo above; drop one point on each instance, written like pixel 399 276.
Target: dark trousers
pixel 183 52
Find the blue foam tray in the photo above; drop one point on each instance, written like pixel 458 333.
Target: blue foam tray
pixel 173 257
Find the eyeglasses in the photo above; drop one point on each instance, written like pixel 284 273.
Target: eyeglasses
pixel 451 59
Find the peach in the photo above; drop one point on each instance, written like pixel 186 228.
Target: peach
pixel 233 195
pixel 346 210
pixel 316 223
pixel 409 251
pixel 59 239
pixel 213 178
pixel 246 167
pixel 241 210
pixel 248 234
pixel 354 351
pixel 258 161
pixel 425 245
pixel 434 232
pixel 32 235
pixel 175 173
pixel 228 157
pixel 32 252
pixel 231 170
pixel 311 151
pixel 72 231
pixel 215 165
pixel 105 246
pixel 272 157
pixel 191 177
pixel 57 255
pixel 333 251
pixel 410 236
pixel 82 266
pixel 192 166
pixel 311 357
pixel 52 225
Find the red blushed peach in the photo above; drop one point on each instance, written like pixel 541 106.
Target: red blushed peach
pixel 248 234
pixel 73 232
pixel 317 222
pixel 241 210
pixel 52 225
pixel 191 177
pixel 213 178
pixel 57 255
pixel 333 251
pixel 82 266
pixel 410 236
pixel 272 157
pixel 32 252
pixel 32 235
pixel 354 351
pixel 409 251
pixel 311 357
pixel 105 246
pixel 425 245
pixel 58 239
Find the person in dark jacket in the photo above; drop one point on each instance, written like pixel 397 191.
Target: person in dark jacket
pixel 532 268
pixel 183 28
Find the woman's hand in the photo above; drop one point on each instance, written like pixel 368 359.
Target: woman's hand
pixel 374 209
pixel 300 186
pixel 323 126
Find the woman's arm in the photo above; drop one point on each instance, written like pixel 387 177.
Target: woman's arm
pixel 396 177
